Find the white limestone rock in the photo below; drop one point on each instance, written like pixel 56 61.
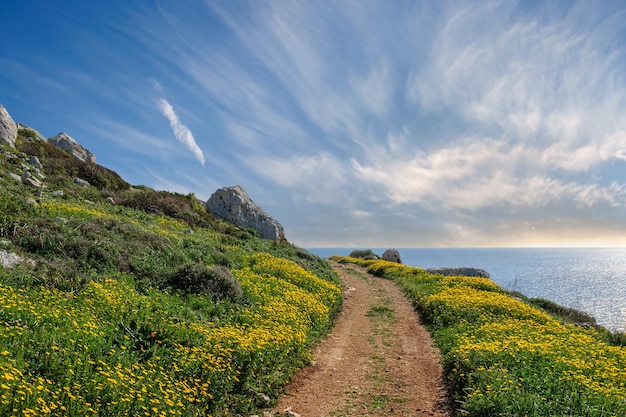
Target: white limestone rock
pixel 234 205
pixel 8 128
pixel 28 179
pixel 69 144
pixel 82 182
pixel 34 161
pixel 9 259
pixel 392 255
pixel 15 177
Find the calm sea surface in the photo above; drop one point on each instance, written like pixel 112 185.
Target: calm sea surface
pixel 590 279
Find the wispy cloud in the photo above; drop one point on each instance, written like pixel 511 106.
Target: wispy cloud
pixel 319 179
pixel 452 113
pixel 537 91
pixel 482 173
pixel 439 122
pixel 181 131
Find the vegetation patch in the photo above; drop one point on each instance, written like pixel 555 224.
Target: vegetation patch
pixel 216 281
pixel 380 311
pixel 147 306
pixel 366 254
pixel 568 314
pixel 507 356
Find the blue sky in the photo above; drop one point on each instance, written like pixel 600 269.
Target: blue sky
pixel 353 123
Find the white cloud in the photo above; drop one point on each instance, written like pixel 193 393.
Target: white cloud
pixel 181 131
pixel 539 75
pixel 319 178
pixel 472 115
pixel 359 214
pixel 374 89
pixel 481 174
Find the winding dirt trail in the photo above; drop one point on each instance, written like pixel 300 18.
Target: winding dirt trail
pixel 379 360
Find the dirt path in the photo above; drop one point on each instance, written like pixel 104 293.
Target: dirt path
pixel 378 360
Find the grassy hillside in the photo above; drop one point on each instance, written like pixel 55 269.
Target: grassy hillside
pixel 147 306
pixel 505 356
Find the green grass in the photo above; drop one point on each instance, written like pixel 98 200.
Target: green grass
pixel 146 307
pixel 513 357
pixel 380 311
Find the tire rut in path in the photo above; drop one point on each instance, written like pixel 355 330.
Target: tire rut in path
pixel 378 360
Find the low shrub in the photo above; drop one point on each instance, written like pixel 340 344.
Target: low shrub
pixel 185 208
pixel 215 280
pixel 366 254
pixel 570 315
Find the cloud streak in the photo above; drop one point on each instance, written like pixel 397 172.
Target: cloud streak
pixel 422 123
pixel 506 111
pixel 181 131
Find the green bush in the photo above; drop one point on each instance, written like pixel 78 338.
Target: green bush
pixel 185 208
pixel 570 315
pixel 25 133
pixel 366 254
pixel 199 279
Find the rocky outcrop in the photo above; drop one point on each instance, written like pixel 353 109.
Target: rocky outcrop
pixel 8 128
pixel 28 179
pixel 35 134
pixel 68 144
pixel 392 255
pixel 82 182
pixel 9 259
pixel 463 271
pixel 34 161
pixel 233 205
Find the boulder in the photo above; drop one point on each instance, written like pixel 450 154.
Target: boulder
pixel 68 144
pixel 9 259
pixel 15 177
pixel 8 128
pixel 34 161
pixel 463 271
pixel 28 179
pixel 392 255
pixel 82 182
pixel 233 205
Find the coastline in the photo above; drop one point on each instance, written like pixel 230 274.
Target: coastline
pixel 504 356
pixel 592 280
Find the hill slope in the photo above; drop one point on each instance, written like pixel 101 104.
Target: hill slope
pixel 143 304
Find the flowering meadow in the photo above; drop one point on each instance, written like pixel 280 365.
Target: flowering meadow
pixel 504 357
pixel 147 306
pixel 112 350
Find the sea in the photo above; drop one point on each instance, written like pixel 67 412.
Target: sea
pixel 592 280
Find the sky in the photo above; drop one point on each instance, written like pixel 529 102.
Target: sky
pixel 363 123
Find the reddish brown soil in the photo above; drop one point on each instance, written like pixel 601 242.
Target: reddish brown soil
pixel 379 360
